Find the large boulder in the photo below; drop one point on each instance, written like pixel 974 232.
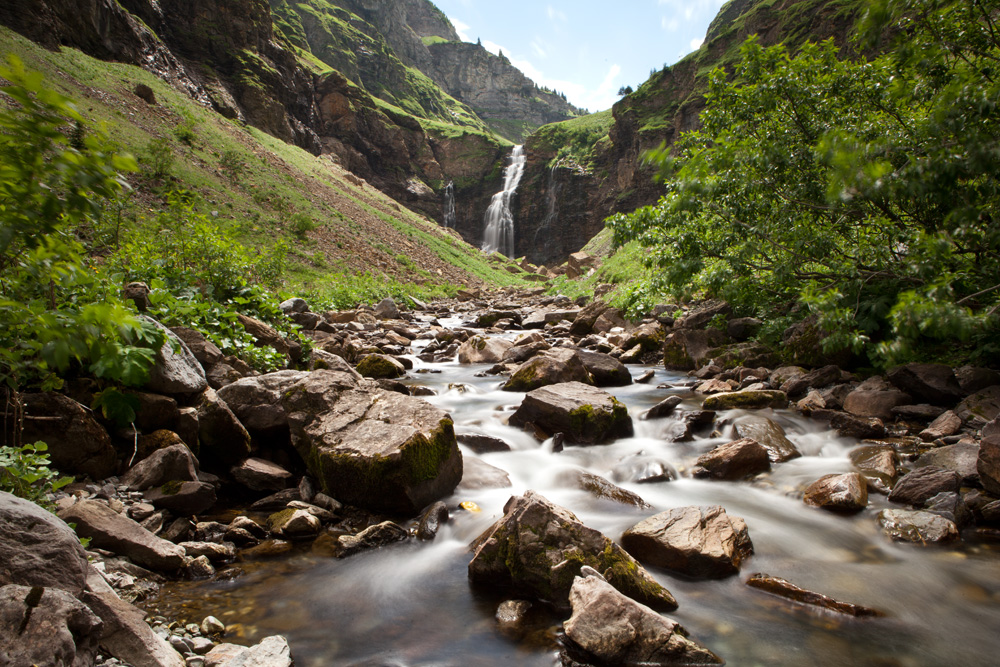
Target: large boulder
pixel 988 464
pixel 551 367
pixel 748 399
pixel 256 400
pixel 127 636
pixel 698 542
pixel 173 463
pixel 733 460
pixel 585 414
pixel 483 350
pixel 372 448
pixel 182 498
pixel 961 457
pixel 874 403
pixel 107 529
pixel 918 486
pixel 815 379
pixel 934 383
pixel 77 443
pixel 46 627
pixel 981 407
pixel 611 629
pixel 687 350
pixel 381 366
pixel 176 370
pixel 917 526
pixel 538 548
pixel 605 370
pixel 769 434
pixel 840 493
pixel 222 438
pixel 37 549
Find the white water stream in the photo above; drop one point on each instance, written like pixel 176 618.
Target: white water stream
pixel 411 603
pixel 499 221
pixel 450 219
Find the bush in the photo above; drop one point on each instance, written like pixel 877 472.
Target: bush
pixel 25 472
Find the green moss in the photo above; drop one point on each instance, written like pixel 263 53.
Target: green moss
pixel 423 458
pixel 276 520
pixel 590 424
pixel 378 366
pixel 676 357
pixel 172 488
pixel 747 400
pixel 525 378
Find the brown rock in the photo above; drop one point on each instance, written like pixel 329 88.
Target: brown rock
pixel 850 426
pixel 934 383
pixel 916 487
pixel 483 350
pixel 733 460
pixel 769 434
pixel 77 443
pixel 988 464
pixel 878 464
pixel 790 591
pixel 117 533
pixel 554 366
pixel 37 548
pixel 585 414
pixel 917 527
pixel 839 493
pixel 173 463
pixel 861 403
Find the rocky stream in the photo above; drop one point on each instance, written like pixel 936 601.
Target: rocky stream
pixel 538 487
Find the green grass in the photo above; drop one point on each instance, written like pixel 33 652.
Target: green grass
pixel 433 39
pixel 573 141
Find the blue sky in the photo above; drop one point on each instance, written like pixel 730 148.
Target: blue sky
pixel 585 48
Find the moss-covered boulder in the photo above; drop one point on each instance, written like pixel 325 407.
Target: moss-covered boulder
pixel 380 366
pixel 747 400
pixel 551 367
pixel 372 448
pixel 537 548
pixel 584 414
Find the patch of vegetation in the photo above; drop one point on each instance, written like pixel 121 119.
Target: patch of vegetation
pixel 25 472
pixel 573 141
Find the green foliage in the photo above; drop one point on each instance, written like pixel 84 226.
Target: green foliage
pixel 302 224
pixel 55 314
pixel 25 472
pixel 863 189
pixel 157 159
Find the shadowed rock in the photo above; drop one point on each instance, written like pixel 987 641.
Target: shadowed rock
pixel 585 414
pixel 733 460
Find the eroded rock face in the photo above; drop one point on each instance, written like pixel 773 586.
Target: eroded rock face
pixel 537 549
pixel 586 415
pixel 700 542
pixel 372 448
pixel 38 549
pixel 609 628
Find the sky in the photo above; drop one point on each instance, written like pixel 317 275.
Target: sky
pixel 587 49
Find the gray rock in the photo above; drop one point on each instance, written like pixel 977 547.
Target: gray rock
pixel 556 366
pixel 175 370
pixel 37 548
pixel 840 493
pixel 46 627
pixel 77 443
pixel 110 530
pixel 951 506
pixel 689 349
pixel 934 383
pixel 698 542
pixel 431 520
pixel 271 652
pixel 478 474
pixel 483 350
pixel 599 487
pixel 988 464
pixel 585 414
pixel 182 498
pixel 918 527
pixel 126 635
pixel 605 370
pixel 371 448
pixel 387 309
pixel 294 305
pixel 174 463
pixel 381 367
pixel 321 360
pixel 769 434
pixel 205 351
pixel 261 475
pixel 663 408
pixel 981 407
pixel 915 487
pixel 611 629
pixel 961 457
pixel 948 423
pixel 733 460
pixel 538 548
pixel 256 400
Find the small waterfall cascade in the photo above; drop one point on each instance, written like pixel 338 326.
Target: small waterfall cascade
pixel 449 205
pixel 499 222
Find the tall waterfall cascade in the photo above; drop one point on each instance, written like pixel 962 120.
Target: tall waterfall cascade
pixel 499 222
pixel 449 205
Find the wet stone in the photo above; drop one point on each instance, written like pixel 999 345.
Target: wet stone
pixel 733 460
pixel 788 590
pixel 840 493
pixel 917 526
pixel 878 464
pixel 916 487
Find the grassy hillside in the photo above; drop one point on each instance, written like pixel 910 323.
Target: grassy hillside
pixel 345 241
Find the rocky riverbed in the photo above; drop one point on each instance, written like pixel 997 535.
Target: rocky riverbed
pixel 515 476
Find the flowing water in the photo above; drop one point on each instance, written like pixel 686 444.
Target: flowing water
pixel 499 221
pixel 450 219
pixel 411 603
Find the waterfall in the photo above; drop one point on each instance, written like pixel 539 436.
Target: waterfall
pixel 499 234
pixel 449 205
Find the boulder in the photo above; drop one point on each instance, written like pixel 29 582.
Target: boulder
pixel 321 360
pixel 483 350
pixel 77 443
pixel 381 366
pixel 261 475
pixel 915 487
pixel 222 438
pixel 267 336
pixel 933 383
pixel 851 426
pixel 538 548
pixel 584 322
pixel 554 366
pixel 608 628
pixel 155 411
pixel 840 493
pixel 788 590
pixel 981 407
pixel 747 400
pixel 648 336
pixel 663 408
pixel 173 463
pixel 878 464
pixel 918 527
pixel 769 434
pixel 182 498
pixel 205 351
pixel 38 549
pixel 687 350
pixel 539 318
pixel 733 460
pixel 585 415
pixel 46 627
pixel 270 652
pixel 972 378
pixel 387 309
pixel 175 369
pixel 117 533
pixel 127 637
pixel 605 370
pixel 862 403
pixel 988 464
pixel 948 423
pixel 815 379
pixel 700 316
pixel 256 400
pixel 697 542
pixel 294 305
pixel 372 448
pixel 961 457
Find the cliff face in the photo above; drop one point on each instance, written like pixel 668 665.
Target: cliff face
pixel 613 178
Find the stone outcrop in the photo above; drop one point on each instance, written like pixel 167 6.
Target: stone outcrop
pixel 538 549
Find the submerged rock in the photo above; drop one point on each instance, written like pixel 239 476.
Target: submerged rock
pixel 586 415
pixel 537 549
pixel 700 542
pixel 611 629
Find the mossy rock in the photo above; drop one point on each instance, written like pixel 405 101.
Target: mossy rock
pixel 585 414
pixel 379 367
pixel 747 400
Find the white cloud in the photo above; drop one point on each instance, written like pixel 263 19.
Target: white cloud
pixel 494 48
pixel 461 28
pixel 696 43
pixel 539 51
pixel 555 14
pixel 670 25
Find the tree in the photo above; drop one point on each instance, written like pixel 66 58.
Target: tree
pixel 625 90
pixel 863 190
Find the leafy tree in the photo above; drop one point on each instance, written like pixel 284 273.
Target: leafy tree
pixel 625 90
pixel 864 190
